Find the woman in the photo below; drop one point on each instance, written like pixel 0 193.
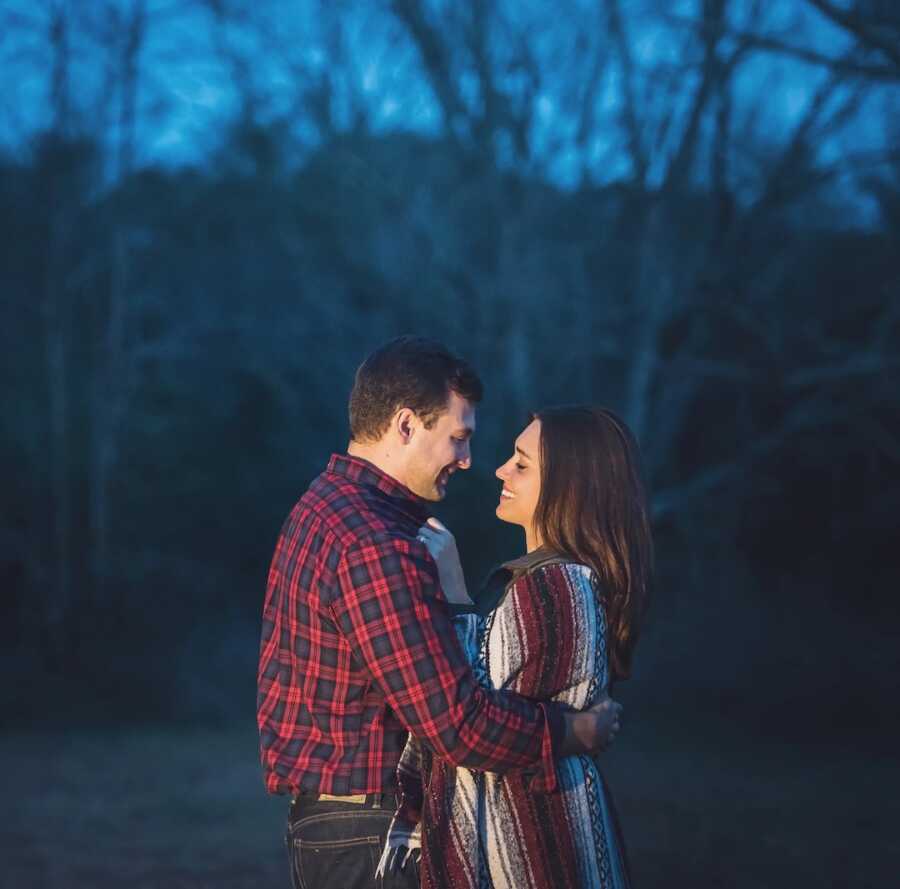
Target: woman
pixel 559 623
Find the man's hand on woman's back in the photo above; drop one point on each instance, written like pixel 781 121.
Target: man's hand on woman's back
pixel 592 730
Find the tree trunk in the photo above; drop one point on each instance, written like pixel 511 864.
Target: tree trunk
pixel 58 590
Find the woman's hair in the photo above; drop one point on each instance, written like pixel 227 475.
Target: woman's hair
pixel 593 509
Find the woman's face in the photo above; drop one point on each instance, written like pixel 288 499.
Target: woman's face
pixel 521 477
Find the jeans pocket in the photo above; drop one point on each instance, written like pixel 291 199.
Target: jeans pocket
pixel 328 864
pixel 337 850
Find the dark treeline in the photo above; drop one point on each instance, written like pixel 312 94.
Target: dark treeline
pixel 616 205
pixel 180 348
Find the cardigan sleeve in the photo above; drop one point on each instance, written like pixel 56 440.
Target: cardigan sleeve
pixel 553 632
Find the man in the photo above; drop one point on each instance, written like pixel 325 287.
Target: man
pixel 357 644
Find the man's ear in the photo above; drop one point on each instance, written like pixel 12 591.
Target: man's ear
pixel 406 423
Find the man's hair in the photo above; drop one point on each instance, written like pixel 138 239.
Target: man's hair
pixel 412 372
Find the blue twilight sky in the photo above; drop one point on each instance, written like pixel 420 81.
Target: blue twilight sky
pixel 197 69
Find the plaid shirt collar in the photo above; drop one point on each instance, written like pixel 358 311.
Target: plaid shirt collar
pixel 362 472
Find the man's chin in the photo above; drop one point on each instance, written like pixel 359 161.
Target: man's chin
pixel 433 493
pixel 439 487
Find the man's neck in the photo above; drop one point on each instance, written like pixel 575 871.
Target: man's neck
pixel 379 455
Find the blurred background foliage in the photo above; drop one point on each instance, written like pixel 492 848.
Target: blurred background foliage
pixel 213 210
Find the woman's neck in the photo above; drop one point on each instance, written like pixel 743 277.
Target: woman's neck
pixel 533 539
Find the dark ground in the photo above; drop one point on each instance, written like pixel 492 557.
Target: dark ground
pixel 701 807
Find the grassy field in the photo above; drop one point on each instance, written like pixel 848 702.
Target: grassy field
pixel 170 807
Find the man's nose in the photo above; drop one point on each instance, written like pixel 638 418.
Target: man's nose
pixel 466 460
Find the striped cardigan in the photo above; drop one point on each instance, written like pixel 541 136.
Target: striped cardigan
pixel 540 632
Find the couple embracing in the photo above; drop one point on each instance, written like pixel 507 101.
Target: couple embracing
pixel 426 736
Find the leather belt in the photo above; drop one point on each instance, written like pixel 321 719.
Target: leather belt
pixel 370 800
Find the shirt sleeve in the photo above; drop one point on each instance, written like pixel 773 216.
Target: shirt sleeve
pixel 391 611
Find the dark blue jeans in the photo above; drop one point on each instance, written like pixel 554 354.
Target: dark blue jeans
pixel 337 845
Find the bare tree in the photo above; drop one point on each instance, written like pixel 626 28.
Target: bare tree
pixel 87 275
pixel 57 330
pixel 114 374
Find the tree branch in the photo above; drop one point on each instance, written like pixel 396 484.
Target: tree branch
pixel 855 366
pixel 855 24
pixel 434 58
pixel 629 101
pixel 765 43
pixel 804 416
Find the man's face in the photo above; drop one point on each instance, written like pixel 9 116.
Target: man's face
pixel 438 452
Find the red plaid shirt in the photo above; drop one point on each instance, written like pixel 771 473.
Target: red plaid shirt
pixel 358 647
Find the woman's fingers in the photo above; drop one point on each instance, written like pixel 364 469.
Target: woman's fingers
pixel 436 527
pixel 437 538
pixel 430 539
pixel 427 532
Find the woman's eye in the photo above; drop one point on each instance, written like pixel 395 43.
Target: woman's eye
pixel 519 466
